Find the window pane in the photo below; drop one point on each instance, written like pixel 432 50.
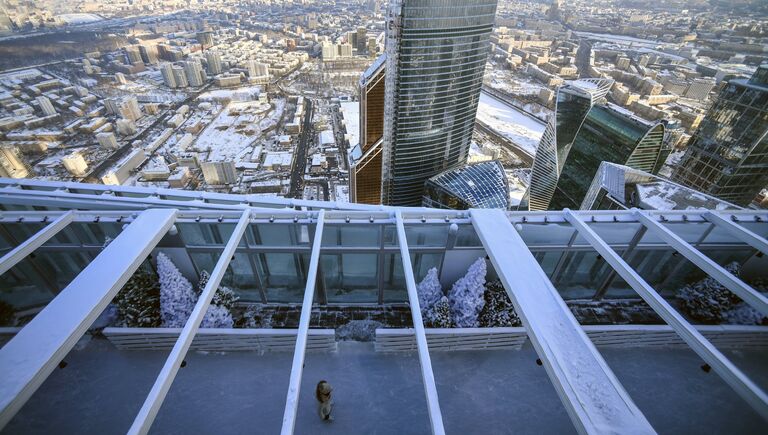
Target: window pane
pixel 284 276
pixel 350 278
pixel 351 235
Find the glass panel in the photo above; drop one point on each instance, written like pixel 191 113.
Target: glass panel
pixel 467 237
pixel 546 235
pixel 548 260
pixel 426 235
pixel 394 279
pixel 240 277
pixel 23 286
pixel 350 235
pixel 350 278
pixel 581 275
pixel 204 234
pixel 283 275
pixel 619 233
pixel 279 234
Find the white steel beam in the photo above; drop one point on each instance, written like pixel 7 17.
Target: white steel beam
pixel 427 376
pixel 594 398
pixel 297 369
pixel 28 246
pixel 738 231
pixel 28 359
pixel 156 396
pixel 755 299
pixel 709 353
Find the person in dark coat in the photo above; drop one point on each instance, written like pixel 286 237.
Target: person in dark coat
pixel 323 394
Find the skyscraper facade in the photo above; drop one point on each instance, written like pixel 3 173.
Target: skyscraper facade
pixel 727 156
pixel 573 103
pixel 436 55
pixel 609 134
pixel 365 158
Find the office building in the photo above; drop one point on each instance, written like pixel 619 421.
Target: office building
pixel 612 134
pixel 480 185
pixel 217 173
pixel 365 157
pixel 11 164
pixel 436 56
pixel 328 51
pixel 361 40
pixel 107 140
pixel 345 50
pixel 75 164
pixel 726 155
pixel 129 109
pixel 148 53
pixel 257 69
pixel 46 106
pixel 168 77
pixel 573 102
pixel 133 54
pixel 179 77
pixel 213 59
pixel 194 72
pixel 619 187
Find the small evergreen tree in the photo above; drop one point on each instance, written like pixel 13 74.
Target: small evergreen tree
pixel 498 310
pixel 466 296
pixel 217 317
pixel 439 315
pixel 138 302
pixel 429 291
pixel 177 296
pixel 224 296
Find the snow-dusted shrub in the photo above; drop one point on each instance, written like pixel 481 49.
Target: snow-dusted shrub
pixel 358 330
pixel 217 317
pixel 429 291
pixel 743 314
pixel 177 296
pixel 707 300
pixel 256 317
pixel 224 296
pixel 439 316
pixel 466 296
pixel 138 302
pixel 498 310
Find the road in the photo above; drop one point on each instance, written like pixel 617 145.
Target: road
pixel 300 160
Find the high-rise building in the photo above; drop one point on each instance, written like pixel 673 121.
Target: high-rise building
pixel 213 59
pixel 726 156
pixel 345 50
pixel 480 185
pixel 436 56
pixel 132 54
pixel 168 77
pixel 148 53
pixel 46 106
pixel 107 140
pixel 179 77
pixel 112 105
pixel 619 187
pixel 329 51
pixel 205 39
pixel 75 164
pixel 362 40
pixel 129 109
pixel 194 72
pixel 120 78
pixel 257 69
pixel 609 134
pixel 573 102
pixel 11 165
pixel 365 157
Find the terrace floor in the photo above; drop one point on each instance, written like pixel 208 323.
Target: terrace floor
pixel 485 392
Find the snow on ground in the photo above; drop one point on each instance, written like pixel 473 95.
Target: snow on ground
pixel 233 130
pixel 491 392
pixel 510 123
pixel 79 18
pixel 238 94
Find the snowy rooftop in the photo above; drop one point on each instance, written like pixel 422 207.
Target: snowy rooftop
pixel 560 377
pixel 350 112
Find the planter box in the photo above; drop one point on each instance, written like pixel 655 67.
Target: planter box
pixel 732 336
pixel 221 340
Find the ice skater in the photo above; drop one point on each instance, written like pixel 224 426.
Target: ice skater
pixel 323 394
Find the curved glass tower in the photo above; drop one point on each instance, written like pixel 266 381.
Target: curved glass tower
pixel 436 55
pixel 574 100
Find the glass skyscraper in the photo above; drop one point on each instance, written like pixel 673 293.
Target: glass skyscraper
pixel 574 100
pixel 436 55
pixel 727 156
pixel 609 134
pixel 481 185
